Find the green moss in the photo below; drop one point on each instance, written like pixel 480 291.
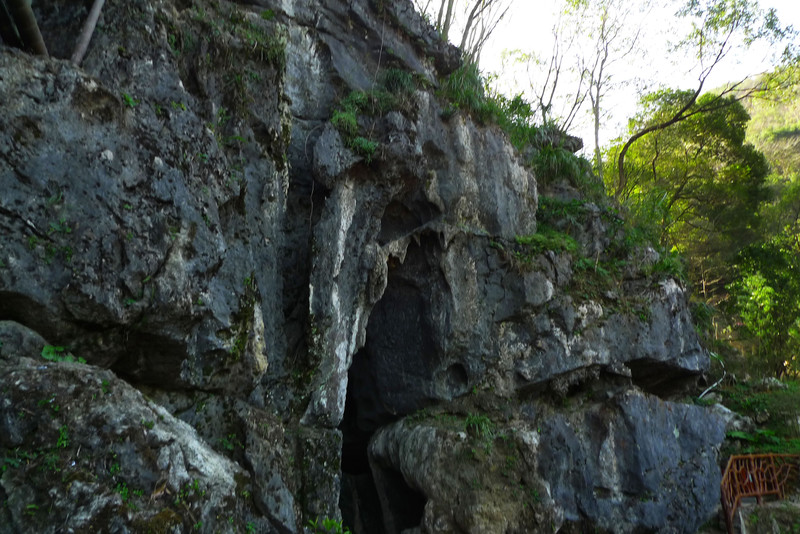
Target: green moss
pixel 346 122
pixel 545 238
pixel 364 148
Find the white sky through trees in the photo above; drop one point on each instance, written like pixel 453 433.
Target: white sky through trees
pixel 528 27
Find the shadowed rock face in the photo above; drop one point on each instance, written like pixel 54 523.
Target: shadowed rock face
pixel 85 446
pixel 269 320
pixel 618 465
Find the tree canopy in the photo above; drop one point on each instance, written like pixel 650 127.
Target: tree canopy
pixel 698 185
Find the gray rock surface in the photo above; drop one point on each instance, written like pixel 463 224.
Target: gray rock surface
pixel 630 463
pixel 633 463
pixel 84 446
pixel 255 296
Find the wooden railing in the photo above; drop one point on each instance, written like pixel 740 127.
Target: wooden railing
pixel 755 475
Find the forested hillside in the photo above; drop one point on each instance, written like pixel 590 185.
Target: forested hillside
pixel 719 189
pixel 774 129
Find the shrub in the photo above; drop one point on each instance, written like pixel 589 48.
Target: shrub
pixel 553 162
pixel 355 101
pixel 670 264
pixel 552 210
pixel 345 121
pixel 391 93
pixel 547 238
pixel 327 525
pixel 397 81
pixel 465 89
pixel 363 147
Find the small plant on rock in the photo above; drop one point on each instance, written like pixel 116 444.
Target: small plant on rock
pixel 63 437
pixel 479 426
pixel 129 100
pixel 364 147
pixel 327 526
pixel 345 121
pixel 59 354
pixel 670 265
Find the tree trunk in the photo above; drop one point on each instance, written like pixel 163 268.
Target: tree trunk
pixel 439 17
pixel 448 20
pixel 28 29
pixel 598 156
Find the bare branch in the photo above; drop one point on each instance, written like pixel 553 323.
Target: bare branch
pixel 87 31
pixel 8 32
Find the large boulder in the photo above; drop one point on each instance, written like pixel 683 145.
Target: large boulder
pixel 630 463
pixel 84 451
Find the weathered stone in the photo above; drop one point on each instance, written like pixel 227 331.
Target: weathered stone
pixel 159 286
pixel 635 463
pixel 493 489
pixel 733 421
pixel 331 157
pixel 17 341
pixel 83 448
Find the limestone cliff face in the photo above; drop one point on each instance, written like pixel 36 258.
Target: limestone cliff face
pixel 221 310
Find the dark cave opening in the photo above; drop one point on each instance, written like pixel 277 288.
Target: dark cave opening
pixel 403 506
pixel 396 373
pixel 358 496
pixel 370 503
pixel 662 379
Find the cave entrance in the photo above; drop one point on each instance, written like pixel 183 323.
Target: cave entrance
pixel 358 496
pixel 370 506
pixel 394 374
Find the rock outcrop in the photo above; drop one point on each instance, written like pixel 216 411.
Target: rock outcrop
pixel 229 302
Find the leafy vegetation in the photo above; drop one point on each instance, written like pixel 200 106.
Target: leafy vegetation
pixel 776 406
pixel 392 92
pixel 697 184
pixel 555 161
pixel 766 296
pixel 468 91
pixel 327 526
pixel 704 193
pixel 687 177
pixel 479 426
pixel 670 264
pixel 774 129
pixel 59 354
pixel 547 238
